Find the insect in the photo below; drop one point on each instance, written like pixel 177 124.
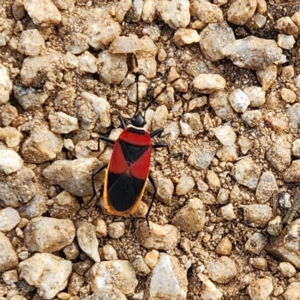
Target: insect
pixel 127 172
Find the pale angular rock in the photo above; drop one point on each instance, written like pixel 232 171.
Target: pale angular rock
pixel 252 117
pixel 287 269
pixel 218 101
pixel 43 12
pixel 122 8
pixel 227 212
pixel 209 83
pixel 191 218
pixel 197 102
pixel 185 36
pixel 101 228
pixel 140 266
pixel 277 124
pixel 267 76
pixel 206 12
pixel 256 95
pixel 42 145
pixel 185 184
pixel 118 273
pixel 10 277
pixel 213 181
pixel 100 112
pixel 294 115
pixel 287 26
pixel 47 272
pixel 259 20
pixel 18 10
pixel 209 291
pixel 267 187
pixel 74 176
pixel 107 292
pixel 8 113
pixel 201 158
pixel 151 258
pixel 62 123
pixel 71 251
pixel 275 226
pixel 45 234
pixel 238 100
pixel 36 69
pixel 213 38
pixel 112 68
pixel 225 134
pixel 159 237
pixel 175 12
pixel 288 95
pixel 292 173
pixel 257 215
pixel 87 240
pixel 98 26
pixel 240 11
pixel 160 117
pixel 223 196
pixel 31 42
pixel 8 256
pixel 116 229
pixel 259 263
pixel 146 57
pixel 279 154
pixel 10 161
pixel 222 270
pixel 261 288
pixel 109 252
pixel 34 208
pixel 286 41
pixel 125 44
pixel 64 4
pixel 11 136
pixel 9 219
pixel 64 206
pixel 251 53
pixel 149 9
pixel 224 247
pixel 77 43
pixel 228 153
pixel 172 132
pixel 246 172
pixel 207 198
pixel 174 285
pixel 165 189
pixel 292 292
pixel 17 188
pixel 296 148
pixel 256 243
pixel 5 85
pixel 87 62
pixel 29 97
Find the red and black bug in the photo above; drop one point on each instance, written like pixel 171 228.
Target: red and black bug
pixel 127 172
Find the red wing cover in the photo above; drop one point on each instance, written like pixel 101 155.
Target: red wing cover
pixel 126 178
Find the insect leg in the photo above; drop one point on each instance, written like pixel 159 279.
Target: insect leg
pixel 105 139
pixel 156 132
pixel 153 197
pixel 95 172
pixel 123 124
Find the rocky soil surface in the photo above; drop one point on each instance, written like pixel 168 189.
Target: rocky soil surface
pixel 222 79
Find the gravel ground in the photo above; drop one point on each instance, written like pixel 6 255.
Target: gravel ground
pixel 222 79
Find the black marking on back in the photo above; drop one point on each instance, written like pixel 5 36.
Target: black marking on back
pixel 123 190
pixel 132 152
